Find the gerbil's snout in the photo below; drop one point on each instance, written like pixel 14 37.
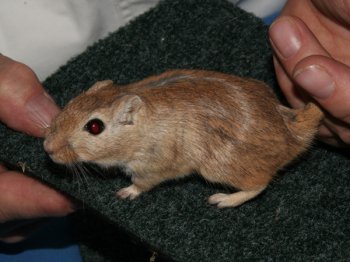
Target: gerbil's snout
pixel 59 151
pixel 48 147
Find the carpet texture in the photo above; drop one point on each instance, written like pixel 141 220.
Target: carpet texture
pixel 303 215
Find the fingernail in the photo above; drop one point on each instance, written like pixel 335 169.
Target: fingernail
pixel 41 109
pixel 316 81
pixel 285 37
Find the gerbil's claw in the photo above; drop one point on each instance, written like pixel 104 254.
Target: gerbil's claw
pixel 233 200
pixel 130 192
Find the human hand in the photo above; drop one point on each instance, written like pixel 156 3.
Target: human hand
pixel 26 107
pixel 311 42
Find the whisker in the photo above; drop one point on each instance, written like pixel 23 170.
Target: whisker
pixel 76 174
pixel 84 172
pixel 74 168
pixel 96 170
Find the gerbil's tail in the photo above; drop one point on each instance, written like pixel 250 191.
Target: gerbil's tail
pixel 303 123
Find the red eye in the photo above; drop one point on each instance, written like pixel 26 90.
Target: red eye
pixel 95 126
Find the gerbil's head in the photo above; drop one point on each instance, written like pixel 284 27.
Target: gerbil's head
pixel 94 126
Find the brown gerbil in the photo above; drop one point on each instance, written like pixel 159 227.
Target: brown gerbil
pixel 228 129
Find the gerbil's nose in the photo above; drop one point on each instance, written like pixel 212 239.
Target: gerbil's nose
pixel 48 147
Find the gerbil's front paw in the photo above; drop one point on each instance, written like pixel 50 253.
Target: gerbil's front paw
pixel 130 192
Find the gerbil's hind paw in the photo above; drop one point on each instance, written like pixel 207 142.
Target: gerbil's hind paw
pixel 130 192
pixel 233 200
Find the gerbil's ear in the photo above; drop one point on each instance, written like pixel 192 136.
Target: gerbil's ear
pixel 129 106
pixel 98 85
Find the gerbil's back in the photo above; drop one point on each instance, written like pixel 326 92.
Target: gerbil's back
pixel 213 103
pixel 192 89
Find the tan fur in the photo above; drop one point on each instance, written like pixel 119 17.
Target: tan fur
pixel 230 130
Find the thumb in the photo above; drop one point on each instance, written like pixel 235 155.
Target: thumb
pixel 24 104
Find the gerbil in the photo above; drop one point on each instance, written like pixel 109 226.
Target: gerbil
pixel 228 129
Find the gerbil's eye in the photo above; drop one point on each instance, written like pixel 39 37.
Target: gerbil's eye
pixel 94 126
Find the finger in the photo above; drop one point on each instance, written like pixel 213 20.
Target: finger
pixel 292 94
pixel 23 197
pixel 292 41
pixel 25 106
pixel 2 169
pixel 336 10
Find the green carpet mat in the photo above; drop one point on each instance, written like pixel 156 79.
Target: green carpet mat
pixel 303 215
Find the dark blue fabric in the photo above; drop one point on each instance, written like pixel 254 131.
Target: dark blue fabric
pixel 50 242
pixel 269 19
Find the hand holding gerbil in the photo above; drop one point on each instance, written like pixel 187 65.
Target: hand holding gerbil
pixel 312 60
pixel 25 107
pixel 228 129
